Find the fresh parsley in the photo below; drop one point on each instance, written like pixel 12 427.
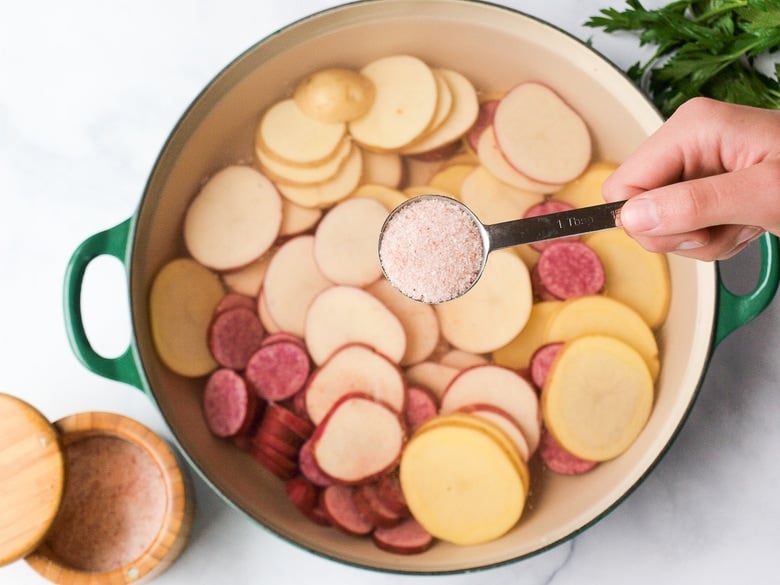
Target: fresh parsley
pixel 703 48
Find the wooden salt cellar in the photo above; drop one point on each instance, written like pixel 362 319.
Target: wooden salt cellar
pixel 33 476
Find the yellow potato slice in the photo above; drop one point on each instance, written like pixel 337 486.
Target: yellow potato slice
pixel 182 300
pixel 461 484
pixel 325 194
pixel 334 95
pixel 517 353
pixel 585 190
pixel 404 104
pixel 234 219
pixel 450 178
pixel 602 315
pixel 286 133
pixel 494 201
pixel 634 276
pixel 387 196
pixel 598 397
pixel 488 317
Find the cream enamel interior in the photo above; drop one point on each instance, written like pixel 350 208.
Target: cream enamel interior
pixel 496 48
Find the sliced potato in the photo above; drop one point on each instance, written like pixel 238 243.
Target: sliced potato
pixel 493 160
pixel 487 317
pixel 325 194
pixel 585 190
pixel 387 196
pixel 182 300
pixel 602 315
pixel 450 178
pixel 234 219
pixel 598 397
pixel 334 95
pixel 517 353
pixel 494 201
pixel 634 276
pixel 312 174
pixel 383 168
pixel 345 242
pixel 248 279
pixel 291 136
pixel 297 219
pixel 461 116
pixel 292 280
pixel 418 320
pixel 461 484
pixel 432 376
pixel 346 314
pixel 404 104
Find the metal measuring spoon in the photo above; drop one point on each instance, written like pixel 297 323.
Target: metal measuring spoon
pixel 433 248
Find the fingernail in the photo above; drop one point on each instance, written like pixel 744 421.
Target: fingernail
pixel 639 215
pixel 747 234
pixel 689 245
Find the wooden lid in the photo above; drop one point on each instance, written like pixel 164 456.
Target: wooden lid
pixel 32 477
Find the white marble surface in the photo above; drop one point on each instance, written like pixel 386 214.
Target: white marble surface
pixel 88 93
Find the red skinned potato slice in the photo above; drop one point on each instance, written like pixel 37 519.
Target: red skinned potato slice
pixel 344 314
pixel 340 508
pixel 541 135
pixel 501 388
pixel 321 195
pixel 345 242
pixel 486 317
pixel 292 137
pixel 398 114
pixel 355 367
pixel 228 406
pixel 487 110
pixel 309 468
pixel 292 280
pixel 302 493
pixel 371 506
pixel 505 422
pixel 359 440
pixel 418 320
pixel 493 159
pixel 406 538
pixel 182 300
pixel 234 219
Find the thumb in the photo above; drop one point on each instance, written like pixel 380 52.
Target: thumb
pixel 750 196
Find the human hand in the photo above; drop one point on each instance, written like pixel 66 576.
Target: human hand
pixel 706 184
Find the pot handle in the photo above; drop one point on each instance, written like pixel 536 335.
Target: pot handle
pixel 113 242
pixel 737 310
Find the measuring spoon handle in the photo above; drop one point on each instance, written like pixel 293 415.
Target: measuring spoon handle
pixel 582 220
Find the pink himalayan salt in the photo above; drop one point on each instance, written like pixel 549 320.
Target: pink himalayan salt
pixel 113 507
pixel 432 250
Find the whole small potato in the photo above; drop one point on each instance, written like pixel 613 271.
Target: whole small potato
pixel 334 95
